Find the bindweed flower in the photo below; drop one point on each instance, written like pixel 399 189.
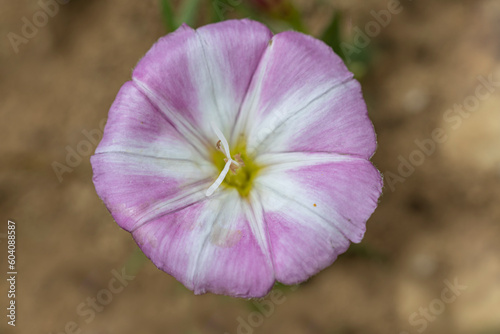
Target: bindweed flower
pixel 237 158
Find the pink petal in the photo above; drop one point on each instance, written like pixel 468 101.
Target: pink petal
pixel 210 247
pixel 315 204
pixel 135 126
pixel 199 77
pixel 137 188
pixel 335 122
pixel 143 167
pixel 304 98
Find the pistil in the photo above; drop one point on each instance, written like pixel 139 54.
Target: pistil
pixel 231 164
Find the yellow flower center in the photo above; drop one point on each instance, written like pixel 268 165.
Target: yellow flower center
pixel 239 177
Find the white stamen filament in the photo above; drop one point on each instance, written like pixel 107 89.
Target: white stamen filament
pixel 225 150
pixel 223 140
pixel 219 180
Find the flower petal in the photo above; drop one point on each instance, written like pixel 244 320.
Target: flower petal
pixel 152 168
pixel 143 167
pixel 304 98
pixel 210 247
pixel 135 126
pixel 335 122
pixel 315 204
pixel 199 77
pixel 138 188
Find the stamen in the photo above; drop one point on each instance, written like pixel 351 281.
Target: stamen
pixel 219 180
pixel 223 140
pixel 238 159
pixel 228 160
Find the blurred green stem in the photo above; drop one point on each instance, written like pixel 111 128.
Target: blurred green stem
pixel 167 14
pixel 189 12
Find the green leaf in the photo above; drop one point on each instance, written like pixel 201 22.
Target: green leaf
pixel 365 251
pixel 294 18
pixel 222 9
pixel 167 14
pixel 286 12
pixel 332 34
pixel 218 10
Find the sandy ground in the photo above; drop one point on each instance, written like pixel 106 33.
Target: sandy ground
pixel 437 225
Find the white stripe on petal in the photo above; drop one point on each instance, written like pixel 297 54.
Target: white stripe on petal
pixel 315 204
pixel 196 77
pixel 210 247
pixel 137 188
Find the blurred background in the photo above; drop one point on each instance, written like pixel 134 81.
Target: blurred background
pixel 430 260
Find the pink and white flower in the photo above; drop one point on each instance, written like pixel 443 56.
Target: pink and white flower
pixel 237 158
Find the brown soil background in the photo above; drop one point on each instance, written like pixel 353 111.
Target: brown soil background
pixel 442 223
